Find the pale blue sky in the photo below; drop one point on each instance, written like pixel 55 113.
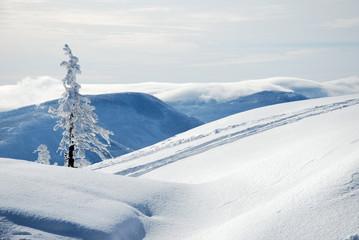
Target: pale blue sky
pixel 132 41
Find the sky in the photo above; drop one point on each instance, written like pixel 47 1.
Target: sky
pixel 132 41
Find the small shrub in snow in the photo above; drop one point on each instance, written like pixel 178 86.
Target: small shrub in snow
pixel 43 156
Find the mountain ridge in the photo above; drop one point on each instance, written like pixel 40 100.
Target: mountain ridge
pixel 211 110
pixel 137 119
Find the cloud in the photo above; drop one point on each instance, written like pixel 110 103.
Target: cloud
pixel 29 91
pixel 212 17
pixel 261 58
pixel 151 9
pixel 342 23
pixel 144 42
pixel 343 86
pixel 34 91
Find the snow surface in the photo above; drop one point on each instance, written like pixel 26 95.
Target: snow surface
pixel 288 171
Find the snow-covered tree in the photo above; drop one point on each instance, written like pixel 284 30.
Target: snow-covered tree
pixel 43 155
pixel 78 120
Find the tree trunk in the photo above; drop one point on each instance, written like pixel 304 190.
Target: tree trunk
pixel 71 160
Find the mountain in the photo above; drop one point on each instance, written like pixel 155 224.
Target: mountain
pixel 137 120
pixel 287 171
pixel 213 110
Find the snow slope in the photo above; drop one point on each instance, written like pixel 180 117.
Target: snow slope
pixel 288 171
pixel 137 120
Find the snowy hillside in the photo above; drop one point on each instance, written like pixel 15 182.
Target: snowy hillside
pixel 287 171
pixel 208 111
pixel 137 120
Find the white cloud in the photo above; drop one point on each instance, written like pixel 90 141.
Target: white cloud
pixel 231 90
pixel 144 42
pixel 151 9
pixel 34 91
pixel 29 91
pixel 87 17
pixel 343 86
pixel 210 17
pixel 342 23
pixel 260 58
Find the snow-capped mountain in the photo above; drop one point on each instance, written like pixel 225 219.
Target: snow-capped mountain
pixel 211 110
pixel 137 120
pixel 287 171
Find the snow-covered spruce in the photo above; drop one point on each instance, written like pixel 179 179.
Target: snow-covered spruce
pixel 43 156
pixel 78 120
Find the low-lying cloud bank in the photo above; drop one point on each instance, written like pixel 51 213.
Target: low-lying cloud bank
pixel 35 91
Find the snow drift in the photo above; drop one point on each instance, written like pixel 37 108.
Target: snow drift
pixel 288 171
